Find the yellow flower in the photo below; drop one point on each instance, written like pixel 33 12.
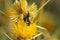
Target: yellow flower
pixel 21 29
pixel 22 7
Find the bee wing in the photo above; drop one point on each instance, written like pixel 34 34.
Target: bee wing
pixel 33 11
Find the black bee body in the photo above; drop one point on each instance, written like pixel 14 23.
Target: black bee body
pixel 26 19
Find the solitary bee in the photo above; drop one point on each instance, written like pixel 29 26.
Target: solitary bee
pixel 22 16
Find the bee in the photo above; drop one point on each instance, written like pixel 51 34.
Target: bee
pixel 22 15
pixel 26 19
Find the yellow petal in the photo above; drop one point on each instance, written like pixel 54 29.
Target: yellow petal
pixel 15 30
pixel 33 11
pixel 24 30
pixel 24 5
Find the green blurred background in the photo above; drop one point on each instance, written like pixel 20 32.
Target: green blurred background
pixel 49 16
